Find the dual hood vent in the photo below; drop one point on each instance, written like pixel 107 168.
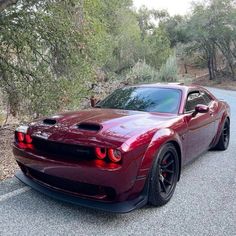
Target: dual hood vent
pixel 82 126
pixel 89 127
pixel 49 122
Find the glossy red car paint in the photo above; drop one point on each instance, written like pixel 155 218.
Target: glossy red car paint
pixel 137 135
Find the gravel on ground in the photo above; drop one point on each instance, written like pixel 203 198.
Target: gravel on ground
pixel 8 165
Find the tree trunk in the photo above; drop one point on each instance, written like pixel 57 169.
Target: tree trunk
pixel 226 51
pixel 209 68
pixel 185 68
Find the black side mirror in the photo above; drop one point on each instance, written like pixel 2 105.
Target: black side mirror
pixel 200 108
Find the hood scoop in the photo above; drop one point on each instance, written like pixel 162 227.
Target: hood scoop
pixel 89 127
pixel 49 122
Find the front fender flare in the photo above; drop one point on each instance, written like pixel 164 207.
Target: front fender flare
pixel 160 138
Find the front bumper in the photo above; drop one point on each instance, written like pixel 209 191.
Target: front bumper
pixel 120 207
pixel 51 174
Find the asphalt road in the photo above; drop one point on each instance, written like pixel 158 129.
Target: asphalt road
pixel 204 203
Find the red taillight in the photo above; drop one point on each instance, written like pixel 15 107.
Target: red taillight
pixel 20 136
pixel 28 139
pixel 101 153
pixel 114 155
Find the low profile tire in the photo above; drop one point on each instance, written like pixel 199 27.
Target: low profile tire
pixel 223 143
pixel 164 175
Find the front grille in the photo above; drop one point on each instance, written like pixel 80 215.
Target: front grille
pixel 64 151
pixel 70 186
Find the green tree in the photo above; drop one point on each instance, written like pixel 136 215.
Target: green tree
pixel 175 29
pixel 48 49
pixel 126 42
pixel 211 29
pixel 157 48
pixel 51 51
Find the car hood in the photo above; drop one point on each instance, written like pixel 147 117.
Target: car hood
pixel 109 124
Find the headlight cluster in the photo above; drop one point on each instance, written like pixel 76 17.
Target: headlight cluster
pixel 22 135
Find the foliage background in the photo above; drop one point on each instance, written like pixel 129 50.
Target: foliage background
pixel 55 54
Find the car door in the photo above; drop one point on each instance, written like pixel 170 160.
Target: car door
pixel 213 109
pixel 200 127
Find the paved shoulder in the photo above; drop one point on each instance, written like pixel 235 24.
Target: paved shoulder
pixel 10 185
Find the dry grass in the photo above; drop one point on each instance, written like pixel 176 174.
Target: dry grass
pixel 200 76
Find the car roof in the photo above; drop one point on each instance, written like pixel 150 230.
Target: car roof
pixel 185 89
pixel 180 86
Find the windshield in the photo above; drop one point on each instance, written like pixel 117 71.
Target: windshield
pixel 163 100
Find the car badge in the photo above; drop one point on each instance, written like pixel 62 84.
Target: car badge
pixel 41 134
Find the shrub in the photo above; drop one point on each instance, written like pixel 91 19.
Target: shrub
pixel 142 72
pixel 169 70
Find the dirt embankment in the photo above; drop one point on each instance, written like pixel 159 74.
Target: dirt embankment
pixel 200 76
pixel 222 83
pixel 8 164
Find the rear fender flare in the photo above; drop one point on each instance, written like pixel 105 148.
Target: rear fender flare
pixel 220 127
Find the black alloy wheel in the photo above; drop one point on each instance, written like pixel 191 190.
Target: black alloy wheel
pixel 167 170
pixel 164 175
pixel 223 142
pixel 226 132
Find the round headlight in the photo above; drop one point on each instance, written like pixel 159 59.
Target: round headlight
pixel 114 155
pixel 101 153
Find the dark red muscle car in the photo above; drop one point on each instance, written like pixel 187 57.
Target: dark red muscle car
pixel 125 152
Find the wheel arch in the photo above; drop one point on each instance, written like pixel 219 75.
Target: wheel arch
pixel 162 137
pixel 224 118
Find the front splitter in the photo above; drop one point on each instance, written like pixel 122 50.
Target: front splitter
pixel 120 207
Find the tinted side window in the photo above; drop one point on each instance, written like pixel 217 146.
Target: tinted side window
pixel 206 97
pixel 194 98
